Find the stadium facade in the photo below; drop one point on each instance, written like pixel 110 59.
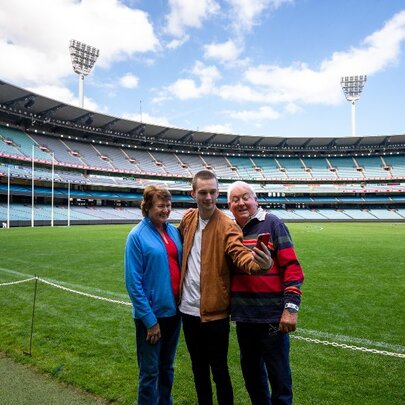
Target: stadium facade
pixel 62 164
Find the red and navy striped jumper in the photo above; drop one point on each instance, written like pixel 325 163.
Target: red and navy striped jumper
pixel 260 298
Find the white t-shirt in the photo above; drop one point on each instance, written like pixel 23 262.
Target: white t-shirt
pixel 190 298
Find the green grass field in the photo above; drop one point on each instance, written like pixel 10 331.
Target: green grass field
pixel 353 296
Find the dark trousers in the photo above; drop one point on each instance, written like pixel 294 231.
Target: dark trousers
pixel 265 357
pixel 155 362
pixel 207 343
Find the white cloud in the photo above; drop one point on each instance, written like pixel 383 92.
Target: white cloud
pixel 148 119
pixel 129 81
pixel 206 73
pixel 64 95
pixel 188 14
pixel 264 113
pixel 380 49
pixel 241 93
pixel 247 12
pixel 177 43
pixel 37 40
pixel 293 86
pixel 185 89
pixel 224 52
pixel 292 108
pixel 218 128
pixel 299 83
pixel 161 97
pixel 188 88
pixel 294 83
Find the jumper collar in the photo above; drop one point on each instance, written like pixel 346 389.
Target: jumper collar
pixel 260 215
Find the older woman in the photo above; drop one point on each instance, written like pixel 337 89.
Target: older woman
pixel 152 274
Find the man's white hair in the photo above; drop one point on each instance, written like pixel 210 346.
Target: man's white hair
pixel 240 184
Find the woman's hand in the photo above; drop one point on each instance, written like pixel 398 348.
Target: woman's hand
pixel 153 334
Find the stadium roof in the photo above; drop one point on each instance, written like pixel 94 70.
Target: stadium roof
pixel 31 111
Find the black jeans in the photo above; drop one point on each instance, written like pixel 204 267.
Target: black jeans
pixel 264 357
pixel 207 343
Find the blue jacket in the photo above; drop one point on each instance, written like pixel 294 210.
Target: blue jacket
pixel 147 274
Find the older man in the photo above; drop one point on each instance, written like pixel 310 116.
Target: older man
pixel 265 307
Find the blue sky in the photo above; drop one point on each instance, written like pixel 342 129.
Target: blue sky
pixel 249 67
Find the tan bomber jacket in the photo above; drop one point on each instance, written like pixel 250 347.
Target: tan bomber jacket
pixel 221 245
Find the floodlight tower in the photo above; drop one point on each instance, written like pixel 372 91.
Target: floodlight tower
pixel 83 59
pixel 352 87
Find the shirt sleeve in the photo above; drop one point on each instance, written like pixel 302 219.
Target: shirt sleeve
pixel 133 280
pixel 290 268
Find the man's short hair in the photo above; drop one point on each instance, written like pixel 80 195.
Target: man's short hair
pixel 149 193
pixel 240 184
pixel 203 175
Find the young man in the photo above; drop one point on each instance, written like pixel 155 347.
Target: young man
pixel 265 307
pixel 211 242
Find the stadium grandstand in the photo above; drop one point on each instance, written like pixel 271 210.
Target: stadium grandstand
pixel 61 164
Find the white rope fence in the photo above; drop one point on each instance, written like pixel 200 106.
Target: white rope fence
pixel 293 336
pixel 350 347
pixel 18 282
pixel 83 293
pixel 68 290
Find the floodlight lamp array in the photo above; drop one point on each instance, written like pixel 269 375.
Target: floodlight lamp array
pixel 352 86
pixel 83 57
